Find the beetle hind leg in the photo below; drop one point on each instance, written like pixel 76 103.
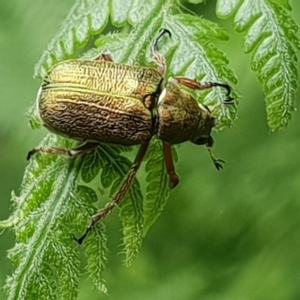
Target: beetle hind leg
pixel 120 194
pixel 86 147
pixel 170 164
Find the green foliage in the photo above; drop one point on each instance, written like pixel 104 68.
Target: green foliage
pixel 158 187
pixel 191 36
pixel 271 34
pixel 196 1
pixel 58 195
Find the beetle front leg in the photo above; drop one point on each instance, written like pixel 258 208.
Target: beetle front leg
pixel 158 58
pixel 86 147
pixel 170 164
pixel 121 193
pixel 196 85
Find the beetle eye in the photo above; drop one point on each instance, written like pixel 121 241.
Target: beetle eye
pixel 210 141
pixel 201 141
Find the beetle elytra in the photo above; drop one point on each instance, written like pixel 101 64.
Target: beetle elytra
pixel 101 101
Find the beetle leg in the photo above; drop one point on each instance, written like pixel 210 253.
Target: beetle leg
pixel 196 85
pixel 86 147
pixel 121 193
pixel 170 164
pixel 105 56
pixel 149 100
pixel 158 58
pixel 217 162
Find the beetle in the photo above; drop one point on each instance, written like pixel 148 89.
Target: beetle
pixel 101 101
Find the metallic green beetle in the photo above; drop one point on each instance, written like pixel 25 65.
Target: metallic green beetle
pixel 100 101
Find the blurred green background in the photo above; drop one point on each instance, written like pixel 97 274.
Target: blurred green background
pixel 232 235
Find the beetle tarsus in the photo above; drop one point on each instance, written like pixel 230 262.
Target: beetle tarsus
pixel 228 101
pixel 83 237
pixel 217 162
pixel 79 240
pixel 174 180
pixel 158 58
pixel 162 32
pixel 94 220
pixel 197 85
pixel 225 86
pixel 30 153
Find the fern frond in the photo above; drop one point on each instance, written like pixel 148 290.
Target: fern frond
pixel 43 201
pixel 196 1
pixel 89 17
pixel 84 20
pixel 96 253
pixel 58 194
pixel 284 3
pixel 65 265
pixel 271 35
pixel 193 36
pixel 158 187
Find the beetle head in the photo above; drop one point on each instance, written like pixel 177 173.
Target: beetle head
pixel 206 122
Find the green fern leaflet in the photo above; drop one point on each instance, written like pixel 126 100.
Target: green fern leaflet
pixel 58 195
pixel 271 36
